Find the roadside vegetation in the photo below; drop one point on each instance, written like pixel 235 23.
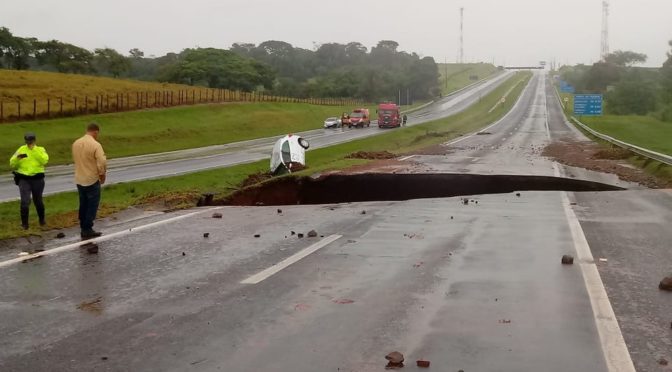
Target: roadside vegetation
pixel 458 75
pixel 183 191
pixel 331 70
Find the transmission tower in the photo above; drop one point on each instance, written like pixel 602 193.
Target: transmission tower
pixel 461 35
pixel 605 30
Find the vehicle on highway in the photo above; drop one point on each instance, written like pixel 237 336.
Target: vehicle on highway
pixel 360 118
pixel 289 154
pixel 389 115
pixel 332 122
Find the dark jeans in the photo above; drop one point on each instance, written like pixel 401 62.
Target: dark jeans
pixel 89 198
pixel 31 188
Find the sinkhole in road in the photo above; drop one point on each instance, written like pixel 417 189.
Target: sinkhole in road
pixel 333 189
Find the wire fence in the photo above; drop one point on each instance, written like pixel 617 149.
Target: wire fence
pixel 17 109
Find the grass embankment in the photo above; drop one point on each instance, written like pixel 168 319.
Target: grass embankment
pixel 182 191
pixel 41 85
pixel 455 76
pixel 153 131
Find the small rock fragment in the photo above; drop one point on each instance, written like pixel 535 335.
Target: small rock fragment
pixel 451 217
pixel 91 248
pixel 257 235
pixel 465 201
pixel 567 260
pixel 312 234
pixel 422 363
pixel 217 215
pixel 363 212
pixel 663 362
pixel 184 254
pixel 395 360
pixel 206 235
pixel 666 284
pixel 293 233
pixel 518 194
pixel 300 235
pixel 279 211
pixel 23 253
pixel 103 358
pixel 60 235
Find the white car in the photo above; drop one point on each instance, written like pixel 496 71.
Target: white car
pixel 332 122
pixel 289 154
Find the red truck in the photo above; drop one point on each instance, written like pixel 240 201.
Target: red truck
pixel 389 115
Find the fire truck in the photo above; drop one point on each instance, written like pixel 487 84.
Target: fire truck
pixel 389 115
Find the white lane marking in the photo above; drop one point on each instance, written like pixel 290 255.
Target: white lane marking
pixel 407 157
pixel 101 239
pixel 614 348
pixel 265 274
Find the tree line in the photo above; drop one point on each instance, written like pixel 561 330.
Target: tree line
pixel 628 89
pixel 274 67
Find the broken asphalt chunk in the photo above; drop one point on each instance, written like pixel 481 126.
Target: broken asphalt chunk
pixel 217 215
pixel 300 235
pixel 422 363
pixel 567 260
pixel 518 194
pixel 312 234
pixel 257 235
pixel 60 235
pixel 363 212
pixel 395 360
pixel 465 201
pixel 666 284
pixel 279 211
pixel 662 362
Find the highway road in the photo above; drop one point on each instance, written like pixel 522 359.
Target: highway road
pixel 60 179
pixel 475 287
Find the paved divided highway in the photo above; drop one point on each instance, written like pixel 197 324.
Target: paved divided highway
pixel 475 287
pixel 59 178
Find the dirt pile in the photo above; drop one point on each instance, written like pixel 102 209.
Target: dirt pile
pixel 371 155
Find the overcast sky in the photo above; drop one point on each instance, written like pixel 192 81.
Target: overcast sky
pixel 504 31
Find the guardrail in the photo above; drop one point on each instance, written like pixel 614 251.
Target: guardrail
pixel 636 149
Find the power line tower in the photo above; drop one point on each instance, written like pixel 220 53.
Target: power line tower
pixel 461 35
pixel 605 30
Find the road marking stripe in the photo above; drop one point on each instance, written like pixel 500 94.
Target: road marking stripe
pixel 265 274
pixel 101 239
pixel 407 157
pixel 615 350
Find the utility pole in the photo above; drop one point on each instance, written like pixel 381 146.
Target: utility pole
pixel 605 30
pixel 462 35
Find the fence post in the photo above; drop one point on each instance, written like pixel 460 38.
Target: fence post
pixel 86 104
pixel 75 104
pixel 18 103
pixel 34 108
pixel 48 107
pixel 60 102
pixel 2 111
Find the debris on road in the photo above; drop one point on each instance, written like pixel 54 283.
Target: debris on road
pixel 279 211
pixel 206 235
pixel 60 235
pixel 293 233
pixel 663 362
pixel 312 234
pixel 217 215
pixel 23 253
pixel 343 301
pixel 418 264
pixel 299 235
pixel 518 194
pixel 567 260
pixel 184 254
pixel 257 235
pixel 603 260
pixel 363 212
pixel 505 321
pixel 395 360
pixel 465 201
pixel 371 155
pixel 666 284
pixel 422 363
pixel 91 248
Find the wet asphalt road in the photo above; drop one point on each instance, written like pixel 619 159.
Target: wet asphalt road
pixel 477 287
pixel 60 179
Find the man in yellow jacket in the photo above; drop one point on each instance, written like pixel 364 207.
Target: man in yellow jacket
pixel 28 164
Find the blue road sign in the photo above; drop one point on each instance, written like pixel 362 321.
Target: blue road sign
pixel 565 87
pixel 588 104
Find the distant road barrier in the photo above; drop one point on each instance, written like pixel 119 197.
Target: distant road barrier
pixel 636 149
pixel 18 109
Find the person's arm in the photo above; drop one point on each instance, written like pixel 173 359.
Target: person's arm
pixel 101 164
pixel 14 160
pixel 41 155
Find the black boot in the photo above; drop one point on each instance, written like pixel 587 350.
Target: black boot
pixel 40 215
pixel 24 218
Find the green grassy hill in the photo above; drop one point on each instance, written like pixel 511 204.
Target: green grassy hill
pixel 457 75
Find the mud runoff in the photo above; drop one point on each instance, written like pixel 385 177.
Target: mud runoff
pixel 396 187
